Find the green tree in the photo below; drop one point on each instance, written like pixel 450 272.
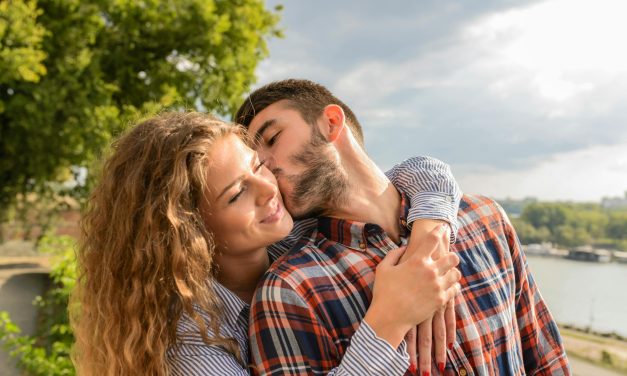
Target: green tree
pixel 549 215
pixel 617 226
pixel 528 234
pixel 73 72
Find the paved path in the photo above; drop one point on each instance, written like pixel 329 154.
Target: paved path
pixel 21 280
pixel 583 368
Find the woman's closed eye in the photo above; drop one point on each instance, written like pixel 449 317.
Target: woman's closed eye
pixel 258 167
pixel 244 187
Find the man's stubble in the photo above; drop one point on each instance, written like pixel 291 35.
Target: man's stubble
pixel 323 185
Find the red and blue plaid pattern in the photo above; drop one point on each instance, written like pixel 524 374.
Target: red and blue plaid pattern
pixel 313 299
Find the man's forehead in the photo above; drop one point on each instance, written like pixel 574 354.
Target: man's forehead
pixel 272 111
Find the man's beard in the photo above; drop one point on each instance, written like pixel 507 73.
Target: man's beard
pixel 323 185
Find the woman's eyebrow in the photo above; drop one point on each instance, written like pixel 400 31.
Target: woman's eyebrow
pixel 240 178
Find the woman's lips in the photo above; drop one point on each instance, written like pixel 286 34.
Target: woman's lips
pixel 275 215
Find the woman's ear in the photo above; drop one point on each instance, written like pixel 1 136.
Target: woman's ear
pixel 335 122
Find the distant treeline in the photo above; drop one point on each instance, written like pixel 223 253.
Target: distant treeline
pixel 569 224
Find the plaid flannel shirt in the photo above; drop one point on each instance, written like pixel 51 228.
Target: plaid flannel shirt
pixel 313 299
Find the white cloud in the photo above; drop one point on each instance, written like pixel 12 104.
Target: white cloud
pixel 566 46
pixel 582 175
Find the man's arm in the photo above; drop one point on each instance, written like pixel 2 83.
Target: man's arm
pixel 286 337
pixel 542 346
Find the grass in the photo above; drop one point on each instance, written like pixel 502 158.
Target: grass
pixel 608 352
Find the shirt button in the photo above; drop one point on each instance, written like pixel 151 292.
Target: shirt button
pixel 362 245
pixel 462 372
pixel 403 222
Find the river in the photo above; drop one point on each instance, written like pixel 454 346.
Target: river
pixel 584 294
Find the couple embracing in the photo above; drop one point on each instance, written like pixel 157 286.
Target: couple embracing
pixel 276 246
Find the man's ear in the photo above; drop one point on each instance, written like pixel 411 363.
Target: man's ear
pixel 335 122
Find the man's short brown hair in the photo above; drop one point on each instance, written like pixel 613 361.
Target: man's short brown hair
pixel 307 97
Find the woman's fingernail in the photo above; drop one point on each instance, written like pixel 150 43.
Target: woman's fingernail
pixel 425 373
pixel 412 369
pixel 441 366
pixel 450 346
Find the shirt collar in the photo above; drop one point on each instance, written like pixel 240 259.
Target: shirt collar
pixel 353 234
pixel 235 309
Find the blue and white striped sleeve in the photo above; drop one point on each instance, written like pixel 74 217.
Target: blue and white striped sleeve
pixel 367 355
pixel 370 355
pixel 197 360
pixel 432 190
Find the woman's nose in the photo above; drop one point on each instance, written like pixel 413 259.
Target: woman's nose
pixel 267 189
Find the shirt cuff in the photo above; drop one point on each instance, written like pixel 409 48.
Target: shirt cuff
pixel 435 205
pixel 371 355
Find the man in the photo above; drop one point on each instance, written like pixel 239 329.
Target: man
pixel 311 300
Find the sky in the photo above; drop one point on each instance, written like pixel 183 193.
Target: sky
pixel 521 98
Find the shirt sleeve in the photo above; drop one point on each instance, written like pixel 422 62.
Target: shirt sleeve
pixel 191 360
pixel 286 338
pixel 543 349
pixel 432 190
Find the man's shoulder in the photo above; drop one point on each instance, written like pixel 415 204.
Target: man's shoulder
pixel 473 207
pixel 477 214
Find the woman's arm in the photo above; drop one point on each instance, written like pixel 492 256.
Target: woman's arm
pixel 201 360
pixel 434 196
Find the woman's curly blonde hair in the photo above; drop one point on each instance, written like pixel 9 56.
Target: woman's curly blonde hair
pixel 145 256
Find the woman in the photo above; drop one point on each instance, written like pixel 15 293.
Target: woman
pixel 175 233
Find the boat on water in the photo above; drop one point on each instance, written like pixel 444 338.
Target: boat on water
pixel 587 253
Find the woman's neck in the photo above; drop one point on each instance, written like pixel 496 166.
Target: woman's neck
pixel 241 273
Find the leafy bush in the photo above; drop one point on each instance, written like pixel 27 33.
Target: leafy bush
pixel 47 353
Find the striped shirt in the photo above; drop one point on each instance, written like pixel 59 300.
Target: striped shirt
pixel 433 193
pixel 313 299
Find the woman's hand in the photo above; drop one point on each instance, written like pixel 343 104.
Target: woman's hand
pixel 410 292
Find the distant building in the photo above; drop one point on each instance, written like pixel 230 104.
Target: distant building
pixel 614 202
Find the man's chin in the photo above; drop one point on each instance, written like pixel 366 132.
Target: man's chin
pixel 299 212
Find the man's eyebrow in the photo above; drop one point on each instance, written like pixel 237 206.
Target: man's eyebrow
pixel 264 127
pixel 239 179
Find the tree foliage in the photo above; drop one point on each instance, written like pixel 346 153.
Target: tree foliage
pixel 570 224
pixel 73 72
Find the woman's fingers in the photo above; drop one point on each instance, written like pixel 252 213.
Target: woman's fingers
pixel 450 278
pixel 449 317
pixel 393 256
pixel 446 263
pixel 439 339
pixel 424 346
pixel 411 340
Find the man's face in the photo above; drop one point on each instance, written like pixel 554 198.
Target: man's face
pixel 301 158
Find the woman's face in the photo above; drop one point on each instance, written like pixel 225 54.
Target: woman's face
pixel 243 207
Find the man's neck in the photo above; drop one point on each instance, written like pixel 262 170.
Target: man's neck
pixel 241 273
pixel 371 197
